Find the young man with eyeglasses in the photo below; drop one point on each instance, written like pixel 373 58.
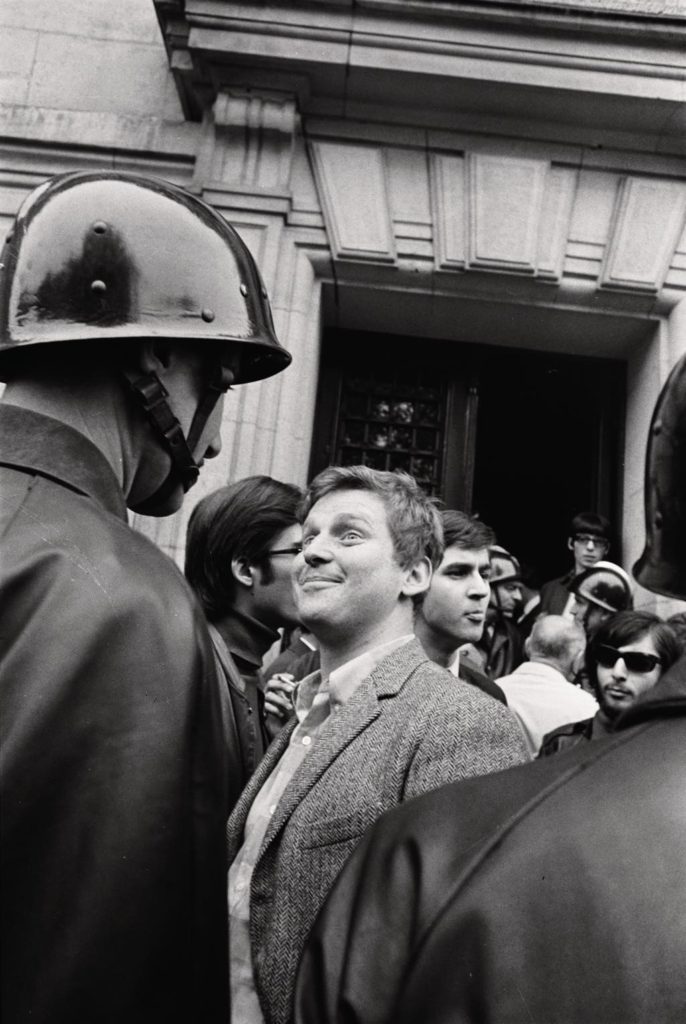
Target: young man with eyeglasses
pixel 241 544
pixel 589 542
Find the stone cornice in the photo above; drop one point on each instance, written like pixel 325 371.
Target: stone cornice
pixel 512 60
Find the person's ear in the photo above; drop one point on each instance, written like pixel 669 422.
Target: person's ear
pixel 578 663
pixel 570 543
pixel 242 571
pixel 155 355
pixel 527 647
pixel 417 578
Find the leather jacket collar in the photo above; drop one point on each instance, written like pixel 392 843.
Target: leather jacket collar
pixel 34 443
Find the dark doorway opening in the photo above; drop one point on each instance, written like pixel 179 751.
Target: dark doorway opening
pixel 524 439
pixel 549 440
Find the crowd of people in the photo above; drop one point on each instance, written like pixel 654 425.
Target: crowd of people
pixel 353 830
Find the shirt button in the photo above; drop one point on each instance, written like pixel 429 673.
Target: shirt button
pixel 307 740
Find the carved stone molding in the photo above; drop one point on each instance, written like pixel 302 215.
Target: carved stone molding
pixel 649 218
pixel 505 203
pixel 353 191
pixel 449 210
pixel 502 213
pixel 248 142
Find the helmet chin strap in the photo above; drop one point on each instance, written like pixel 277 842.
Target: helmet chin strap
pixel 152 396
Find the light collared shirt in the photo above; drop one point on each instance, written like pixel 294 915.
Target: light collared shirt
pixel 542 699
pixel 315 700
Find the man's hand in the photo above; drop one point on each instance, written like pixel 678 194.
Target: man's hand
pixel 278 702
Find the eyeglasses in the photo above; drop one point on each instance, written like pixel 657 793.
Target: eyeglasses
pixel 294 550
pixel 635 661
pixel 591 538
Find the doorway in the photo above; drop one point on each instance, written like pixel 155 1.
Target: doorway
pixel 524 439
pixel 549 444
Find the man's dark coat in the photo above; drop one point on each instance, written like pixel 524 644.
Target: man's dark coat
pixel 113 760
pixel 554 893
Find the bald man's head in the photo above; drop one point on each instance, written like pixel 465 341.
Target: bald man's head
pixel 557 641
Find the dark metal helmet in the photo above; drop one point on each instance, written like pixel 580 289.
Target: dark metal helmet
pixel 662 566
pixel 504 566
pixel 104 256
pixel 605 585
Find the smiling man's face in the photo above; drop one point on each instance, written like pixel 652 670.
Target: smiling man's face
pixel 347 579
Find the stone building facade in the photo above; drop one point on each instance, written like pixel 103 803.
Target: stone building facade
pixel 470 218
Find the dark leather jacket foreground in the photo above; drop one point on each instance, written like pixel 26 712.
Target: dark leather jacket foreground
pixel 113 774
pixel 553 893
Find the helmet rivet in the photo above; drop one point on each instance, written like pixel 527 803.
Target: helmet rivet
pixel 98 287
pixel 244 289
pixel 100 227
pixel 207 315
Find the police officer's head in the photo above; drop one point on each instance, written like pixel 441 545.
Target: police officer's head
pixel 111 276
pixel 599 593
pixel 506 582
pixel 662 566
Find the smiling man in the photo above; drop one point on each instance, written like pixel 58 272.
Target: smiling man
pixel 380 723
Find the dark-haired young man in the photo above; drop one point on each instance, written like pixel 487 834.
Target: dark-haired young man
pixel 453 612
pixel 241 544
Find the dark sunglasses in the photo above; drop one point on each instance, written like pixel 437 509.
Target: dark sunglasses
pixel 635 661
pixel 294 550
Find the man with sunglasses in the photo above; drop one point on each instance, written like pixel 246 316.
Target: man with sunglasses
pixel 554 891
pixel 240 547
pixel 624 661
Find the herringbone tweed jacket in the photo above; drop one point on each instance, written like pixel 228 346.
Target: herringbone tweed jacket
pixel 409 728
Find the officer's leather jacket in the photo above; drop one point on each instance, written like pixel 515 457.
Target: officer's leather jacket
pixel 113 760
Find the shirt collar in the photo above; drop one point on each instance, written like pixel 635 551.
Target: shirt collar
pixel 245 637
pixel 30 441
pixel 344 680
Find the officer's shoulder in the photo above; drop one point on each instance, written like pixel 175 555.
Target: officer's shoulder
pixel 110 564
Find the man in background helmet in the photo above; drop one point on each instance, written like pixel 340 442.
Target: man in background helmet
pixel 599 593
pixel 554 891
pixel 127 308
pixel 500 649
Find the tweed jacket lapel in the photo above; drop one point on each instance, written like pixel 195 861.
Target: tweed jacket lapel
pixel 343 726
pixel 387 679
pixel 236 822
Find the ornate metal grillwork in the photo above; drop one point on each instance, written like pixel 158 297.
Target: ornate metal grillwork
pixel 393 423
